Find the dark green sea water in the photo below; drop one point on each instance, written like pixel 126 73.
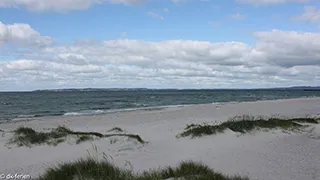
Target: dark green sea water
pixel 15 105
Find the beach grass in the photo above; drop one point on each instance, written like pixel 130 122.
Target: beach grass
pixel 117 129
pixel 26 136
pixel 131 136
pixel 86 169
pixel 245 124
pixel 84 138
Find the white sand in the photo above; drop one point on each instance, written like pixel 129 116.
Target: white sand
pixel 272 155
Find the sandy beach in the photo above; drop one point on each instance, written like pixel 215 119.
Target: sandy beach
pixel 272 155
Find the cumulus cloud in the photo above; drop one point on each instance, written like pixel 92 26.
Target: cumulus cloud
pixel 290 48
pixel 23 35
pixel 264 2
pixel 311 14
pixel 279 58
pixel 60 5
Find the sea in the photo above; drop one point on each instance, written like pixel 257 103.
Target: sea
pixel 22 105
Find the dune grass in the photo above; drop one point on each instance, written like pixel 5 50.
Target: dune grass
pixel 86 169
pixel 26 136
pixel 84 138
pixel 246 124
pixel 117 129
pixel 131 136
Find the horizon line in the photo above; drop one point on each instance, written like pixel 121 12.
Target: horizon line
pixel 76 89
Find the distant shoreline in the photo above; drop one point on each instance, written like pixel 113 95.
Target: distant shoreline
pixel 173 89
pixel 307 88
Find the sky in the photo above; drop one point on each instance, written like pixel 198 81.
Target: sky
pixel 50 44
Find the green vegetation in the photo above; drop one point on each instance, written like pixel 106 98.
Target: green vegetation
pixel 103 170
pixel 131 136
pixel 25 136
pixel 84 138
pixel 244 124
pixel 68 131
pixel 117 129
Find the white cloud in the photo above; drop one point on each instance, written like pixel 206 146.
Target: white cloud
pixel 279 58
pixel 290 48
pixel 155 15
pixel 264 2
pixel 166 10
pixel 311 14
pixel 23 35
pixel 60 5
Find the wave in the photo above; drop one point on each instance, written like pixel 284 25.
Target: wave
pixel 26 116
pixel 145 107
pixel 97 112
pixel 83 113
pixel 96 109
pixel 30 116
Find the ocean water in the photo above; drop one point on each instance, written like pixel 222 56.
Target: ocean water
pixel 16 105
